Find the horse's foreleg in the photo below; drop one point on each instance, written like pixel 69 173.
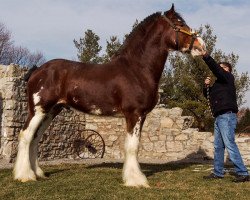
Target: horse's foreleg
pixel 22 168
pixel 132 175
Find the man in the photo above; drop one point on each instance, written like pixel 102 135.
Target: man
pixel 222 98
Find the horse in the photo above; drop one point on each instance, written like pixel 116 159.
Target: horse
pixel 126 86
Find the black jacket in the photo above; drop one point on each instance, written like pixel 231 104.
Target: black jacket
pixel 222 95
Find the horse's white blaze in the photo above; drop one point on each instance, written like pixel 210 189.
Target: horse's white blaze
pixel 36 98
pixel 22 167
pixel 201 41
pixel 196 51
pixel 132 175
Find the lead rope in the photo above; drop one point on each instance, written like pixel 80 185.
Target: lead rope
pixel 208 102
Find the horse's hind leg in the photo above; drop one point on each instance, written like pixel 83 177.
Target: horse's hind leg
pixel 37 137
pixel 132 175
pixel 22 168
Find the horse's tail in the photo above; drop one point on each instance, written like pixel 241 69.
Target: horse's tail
pixel 28 74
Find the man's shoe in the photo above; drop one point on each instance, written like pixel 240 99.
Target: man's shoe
pixel 241 178
pixel 212 176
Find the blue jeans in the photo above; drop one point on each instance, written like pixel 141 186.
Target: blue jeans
pixel 224 137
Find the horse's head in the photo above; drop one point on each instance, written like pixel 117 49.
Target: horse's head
pixel 183 38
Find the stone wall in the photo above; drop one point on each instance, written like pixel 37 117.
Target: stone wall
pixel 13 106
pixel 166 134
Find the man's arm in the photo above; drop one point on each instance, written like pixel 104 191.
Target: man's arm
pixel 215 67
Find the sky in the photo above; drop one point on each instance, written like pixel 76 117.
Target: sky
pixel 50 26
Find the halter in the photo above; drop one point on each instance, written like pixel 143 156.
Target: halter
pixel 177 30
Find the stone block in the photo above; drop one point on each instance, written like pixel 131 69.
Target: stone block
pixel 167 122
pixel 175 132
pixel 153 138
pixel 7 149
pixel 181 137
pixel 177 112
pixel 162 137
pixel 174 146
pixel 148 146
pixel 160 146
pixel 113 138
pixel 91 126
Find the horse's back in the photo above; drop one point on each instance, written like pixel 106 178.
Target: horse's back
pixel 74 82
pixel 50 78
pixel 56 68
pixel 62 64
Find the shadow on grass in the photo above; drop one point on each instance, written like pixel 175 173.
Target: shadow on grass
pixel 151 168
pixel 54 171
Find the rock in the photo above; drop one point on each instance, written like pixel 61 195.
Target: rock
pixel 167 122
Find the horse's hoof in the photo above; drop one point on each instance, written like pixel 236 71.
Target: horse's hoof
pixel 24 180
pixel 27 180
pixel 40 174
pixel 138 185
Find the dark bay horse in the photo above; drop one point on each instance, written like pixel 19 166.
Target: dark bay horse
pixel 127 85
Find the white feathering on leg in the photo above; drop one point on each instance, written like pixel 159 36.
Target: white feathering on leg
pixel 132 175
pixel 34 147
pixel 22 168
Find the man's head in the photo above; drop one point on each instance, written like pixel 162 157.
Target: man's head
pixel 226 66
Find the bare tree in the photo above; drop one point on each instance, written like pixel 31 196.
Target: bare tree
pixel 17 55
pixel 9 53
pixel 36 58
pixel 5 42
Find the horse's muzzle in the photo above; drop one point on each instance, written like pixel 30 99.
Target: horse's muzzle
pixel 199 47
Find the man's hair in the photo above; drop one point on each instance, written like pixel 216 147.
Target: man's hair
pixel 227 65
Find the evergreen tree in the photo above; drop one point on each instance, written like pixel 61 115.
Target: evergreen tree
pixel 183 81
pixel 88 48
pixel 112 47
pixel 136 23
pixel 244 123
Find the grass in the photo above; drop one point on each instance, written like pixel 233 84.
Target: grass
pixel 103 181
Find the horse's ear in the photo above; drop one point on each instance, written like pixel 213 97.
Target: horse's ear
pixel 171 11
pixel 172 8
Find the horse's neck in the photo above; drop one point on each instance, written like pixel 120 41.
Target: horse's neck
pixel 148 57
pixel 155 64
